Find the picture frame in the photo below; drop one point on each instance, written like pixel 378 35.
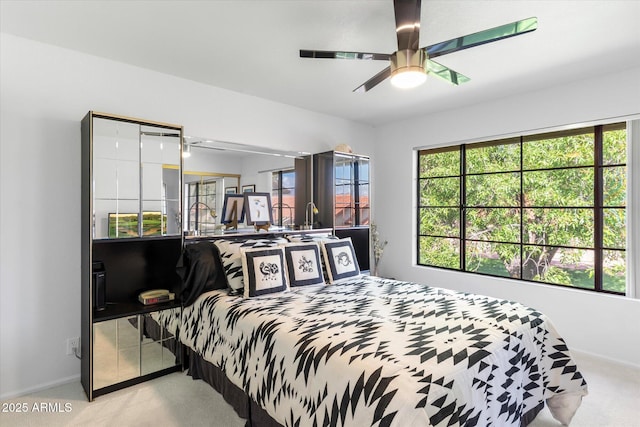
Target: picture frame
pixel 122 225
pixel 231 190
pixel 227 208
pixel 154 223
pixel 250 188
pixel 125 225
pixel 258 208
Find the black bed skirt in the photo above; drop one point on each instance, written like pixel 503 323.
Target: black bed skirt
pixel 245 407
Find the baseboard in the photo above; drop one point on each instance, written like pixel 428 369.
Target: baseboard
pixel 605 358
pixel 40 387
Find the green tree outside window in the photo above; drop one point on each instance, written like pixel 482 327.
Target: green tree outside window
pixel 547 208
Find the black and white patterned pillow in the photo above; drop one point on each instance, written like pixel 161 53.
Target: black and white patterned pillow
pixel 319 239
pixel 306 238
pixel 304 266
pixel 231 259
pixel 264 271
pixel 340 259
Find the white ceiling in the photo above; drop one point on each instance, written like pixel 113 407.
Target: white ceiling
pixel 252 46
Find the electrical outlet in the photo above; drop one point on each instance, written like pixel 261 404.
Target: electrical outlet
pixel 72 345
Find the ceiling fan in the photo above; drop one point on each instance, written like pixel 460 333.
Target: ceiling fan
pixel 409 65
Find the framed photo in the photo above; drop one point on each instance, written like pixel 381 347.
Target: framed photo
pixel 227 208
pixel 231 190
pixel 258 207
pixel 154 224
pixel 251 188
pixel 123 225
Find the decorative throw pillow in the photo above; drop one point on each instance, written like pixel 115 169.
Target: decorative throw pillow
pixel 229 251
pixel 318 238
pixel 264 271
pixel 200 269
pixel 340 259
pixel 303 264
pixel 299 238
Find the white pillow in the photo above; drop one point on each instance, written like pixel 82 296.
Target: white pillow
pixel 230 258
pixel 303 264
pixel 264 271
pixel 340 259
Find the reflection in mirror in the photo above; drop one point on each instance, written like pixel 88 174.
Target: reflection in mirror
pixel 204 195
pixel 215 168
pixel 128 347
pixel 159 348
pixel 135 171
pixel 116 351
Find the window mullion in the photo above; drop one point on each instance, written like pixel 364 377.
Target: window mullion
pixel 280 197
pixel 356 191
pixel 598 205
pixel 463 211
pixel 196 213
pixel 280 194
pixel 521 206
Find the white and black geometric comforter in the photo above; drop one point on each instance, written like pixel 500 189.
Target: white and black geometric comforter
pixel 384 353
pixel 169 319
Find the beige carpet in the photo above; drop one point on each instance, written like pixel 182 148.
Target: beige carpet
pixel 177 400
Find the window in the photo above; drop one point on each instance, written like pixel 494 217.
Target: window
pixel 201 202
pixel 545 208
pixel 351 190
pixel 283 197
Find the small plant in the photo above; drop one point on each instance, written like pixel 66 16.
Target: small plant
pixel 378 247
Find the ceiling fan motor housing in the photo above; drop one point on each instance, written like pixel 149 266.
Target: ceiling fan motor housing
pixel 407 59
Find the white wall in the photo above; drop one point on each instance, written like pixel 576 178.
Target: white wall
pixel 46 91
pixel 257 170
pixel 600 324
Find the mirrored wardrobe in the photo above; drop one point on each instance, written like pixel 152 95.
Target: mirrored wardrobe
pixel 131 241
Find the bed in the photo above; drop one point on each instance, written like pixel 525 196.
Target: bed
pixel 365 350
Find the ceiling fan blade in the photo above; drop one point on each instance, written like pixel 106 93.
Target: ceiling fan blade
pixel 482 37
pixel 331 54
pixel 453 77
pixel 407 23
pixel 373 81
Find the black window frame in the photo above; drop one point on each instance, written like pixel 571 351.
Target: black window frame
pixel 202 198
pixel 282 210
pixel 598 168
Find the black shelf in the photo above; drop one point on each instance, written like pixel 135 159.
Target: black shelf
pixel 123 309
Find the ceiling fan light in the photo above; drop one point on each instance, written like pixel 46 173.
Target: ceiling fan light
pixel 407 78
pixel 408 68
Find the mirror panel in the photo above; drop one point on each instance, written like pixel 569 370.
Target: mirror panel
pixel 160 166
pixel 158 344
pixel 204 199
pixel 128 347
pixel 136 170
pixel 115 173
pixel 116 352
pixel 215 168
